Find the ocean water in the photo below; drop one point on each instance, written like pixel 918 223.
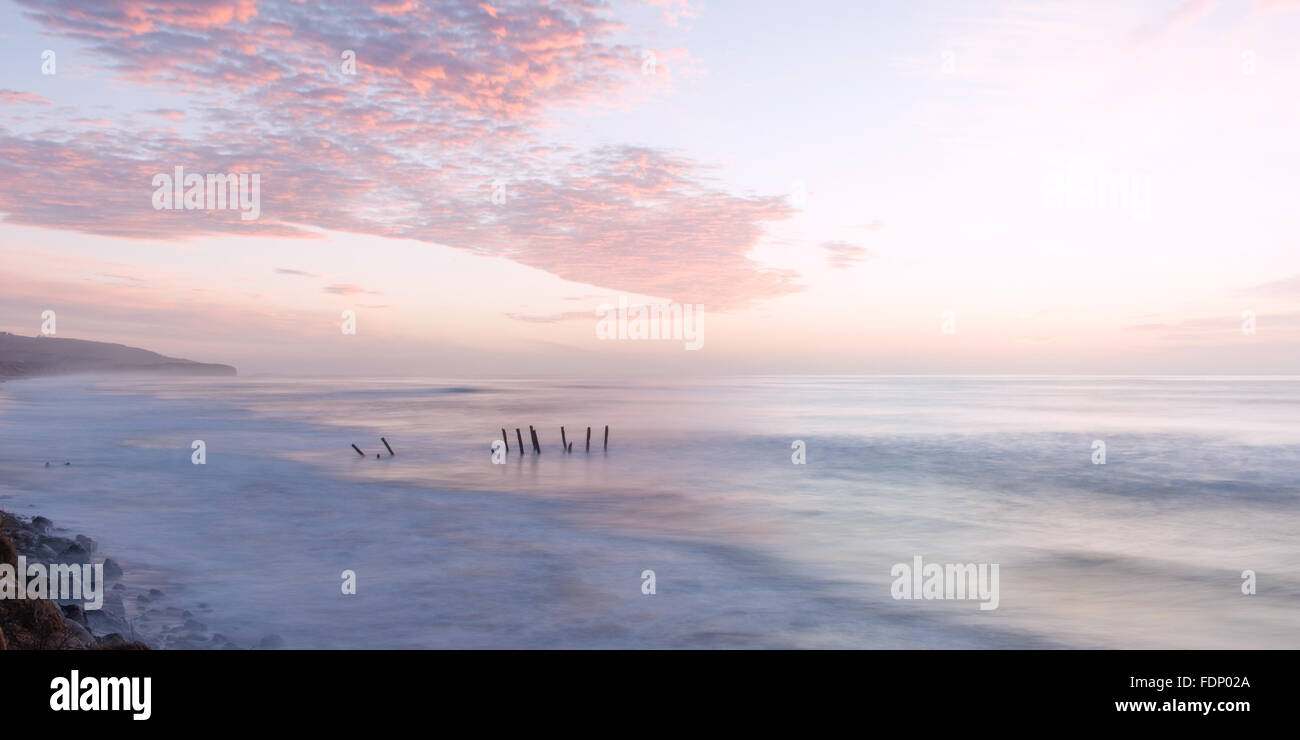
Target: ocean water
pixel 1201 482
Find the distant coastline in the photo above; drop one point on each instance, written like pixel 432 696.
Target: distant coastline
pixel 32 357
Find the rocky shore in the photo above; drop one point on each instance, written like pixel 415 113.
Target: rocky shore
pixel 132 617
pixel 47 624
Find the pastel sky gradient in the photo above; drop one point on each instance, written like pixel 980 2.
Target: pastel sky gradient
pixel 826 179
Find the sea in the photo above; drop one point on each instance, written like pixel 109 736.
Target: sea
pixel 736 512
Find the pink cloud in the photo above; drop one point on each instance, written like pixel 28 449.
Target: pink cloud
pixel 349 289
pixel 17 97
pixel 467 80
pixel 843 254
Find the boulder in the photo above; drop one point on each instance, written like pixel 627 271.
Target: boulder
pixel 80 633
pixel 113 604
pixel 57 544
pixel 74 554
pixel 112 639
pixel 74 613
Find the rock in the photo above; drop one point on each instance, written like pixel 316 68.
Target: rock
pixel 25 539
pixel 271 642
pixel 80 633
pixel 155 593
pixel 75 554
pixel 46 553
pixel 221 642
pixel 113 604
pixel 41 524
pixel 8 553
pixel 100 621
pixel 75 613
pixel 193 625
pixel 116 586
pixel 141 599
pixel 184 642
pixel 112 639
pixel 112 571
pixel 86 543
pixel 57 544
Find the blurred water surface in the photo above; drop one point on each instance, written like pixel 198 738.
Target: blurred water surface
pixel 1201 481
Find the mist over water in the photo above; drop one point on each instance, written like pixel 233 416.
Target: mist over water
pixel 1201 482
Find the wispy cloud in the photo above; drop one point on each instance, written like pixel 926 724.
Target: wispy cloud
pixel 1284 325
pixel 1284 288
pixel 1186 13
pixel 349 289
pixel 170 114
pixel 843 254
pixel 553 318
pixel 18 97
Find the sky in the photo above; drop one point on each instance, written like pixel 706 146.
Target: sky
pixel 928 187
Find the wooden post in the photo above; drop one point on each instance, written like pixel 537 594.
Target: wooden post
pixel 537 446
pixel 564 441
pixel 607 436
pixel 519 436
pixel 588 439
pixel 358 449
pixel 506 440
pixel 390 449
pixel 570 447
